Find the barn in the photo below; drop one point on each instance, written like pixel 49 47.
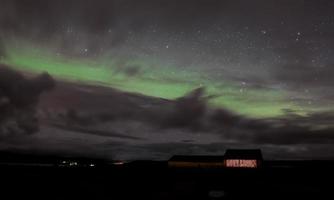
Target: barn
pixel 233 158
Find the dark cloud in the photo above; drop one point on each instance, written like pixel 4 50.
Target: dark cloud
pixel 18 99
pixel 3 53
pixel 188 111
pixel 105 112
pixel 128 70
pixel 91 106
pixel 189 114
pixel 85 130
pixel 289 130
pixel 294 135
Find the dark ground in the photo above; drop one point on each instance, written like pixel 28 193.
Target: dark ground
pixel 154 180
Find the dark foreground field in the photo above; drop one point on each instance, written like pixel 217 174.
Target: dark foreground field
pixel 154 180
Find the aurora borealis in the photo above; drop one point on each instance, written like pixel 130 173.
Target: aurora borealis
pixel 161 81
pixel 261 64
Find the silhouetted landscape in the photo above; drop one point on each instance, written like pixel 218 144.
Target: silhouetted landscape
pixel 41 177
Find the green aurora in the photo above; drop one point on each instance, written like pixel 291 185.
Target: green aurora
pixel 163 81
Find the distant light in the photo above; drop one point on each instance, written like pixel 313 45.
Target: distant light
pixel 119 163
pixel 73 163
pixel 91 165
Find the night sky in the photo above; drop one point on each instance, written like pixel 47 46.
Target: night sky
pixel 147 79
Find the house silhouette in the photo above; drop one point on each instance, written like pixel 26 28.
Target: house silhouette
pixel 233 158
